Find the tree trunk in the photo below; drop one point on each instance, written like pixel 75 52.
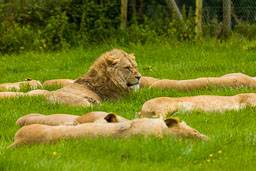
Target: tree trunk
pixel 141 9
pixel 133 5
pixel 199 6
pixel 172 4
pixel 226 16
pixel 124 14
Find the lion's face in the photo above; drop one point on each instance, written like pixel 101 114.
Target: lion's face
pixel 123 69
pixel 127 69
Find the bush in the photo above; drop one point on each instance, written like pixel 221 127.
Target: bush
pixel 17 38
pixel 51 25
pixel 46 24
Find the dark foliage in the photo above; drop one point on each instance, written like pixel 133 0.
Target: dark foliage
pixel 61 24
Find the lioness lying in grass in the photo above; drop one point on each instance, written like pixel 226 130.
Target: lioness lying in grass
pixel 67 119
pixel 18 85
pixel 236 80
pixel 162 106
pixel 39 133
pixel 19 94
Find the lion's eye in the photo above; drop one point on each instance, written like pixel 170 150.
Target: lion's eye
pixel 128 68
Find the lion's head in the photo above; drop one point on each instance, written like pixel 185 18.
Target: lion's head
pixel 113 73
pixel 122 69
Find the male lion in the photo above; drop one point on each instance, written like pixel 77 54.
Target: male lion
pixel 162 106
pixel 113 74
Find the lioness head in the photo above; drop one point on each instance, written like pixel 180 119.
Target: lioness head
pixel 32 83
pixel 181 129
pixel 122 69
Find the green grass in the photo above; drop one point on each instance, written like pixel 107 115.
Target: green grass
pixel 233 132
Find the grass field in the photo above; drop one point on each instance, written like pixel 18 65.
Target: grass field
pixel 233 133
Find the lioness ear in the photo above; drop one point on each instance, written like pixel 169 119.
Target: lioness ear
pixel 111 117
pixel 170 122
pixel 28 79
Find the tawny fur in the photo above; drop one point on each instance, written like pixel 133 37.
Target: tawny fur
pixel 100 117
pixel 38 133
pixel 236 80
pixel 18 85
pixel 56 82
pixel 66 119
pixel 53 120
pixel 19 94
pixel 36 93
pixel 162 106
pixel 147 81
pixel 6 95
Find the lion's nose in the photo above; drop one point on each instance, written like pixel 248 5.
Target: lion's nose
pixel 138 77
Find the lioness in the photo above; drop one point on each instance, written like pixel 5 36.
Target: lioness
pixel 236 80
pixel 19 94
pixel 18 85
pixel 113 74
pixel 66 119
pixel 38 133
pixel 162 106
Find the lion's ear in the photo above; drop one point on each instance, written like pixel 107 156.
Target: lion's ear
pixel 111 59
pixel 111 117
pixel 170 122
pixel 132 56
pixel 28 79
